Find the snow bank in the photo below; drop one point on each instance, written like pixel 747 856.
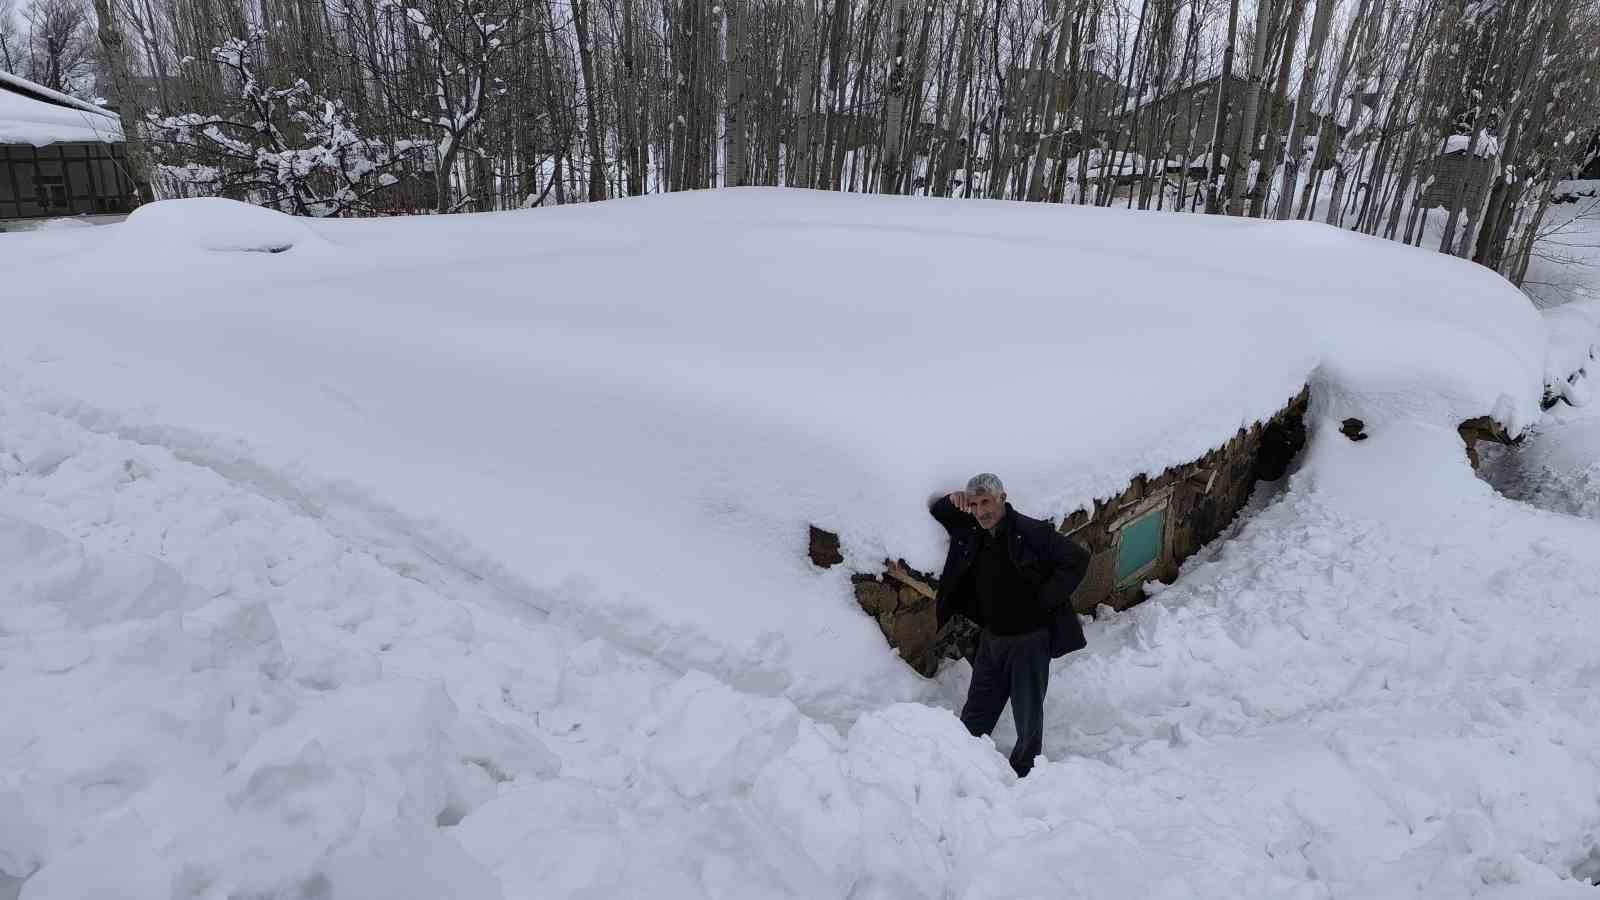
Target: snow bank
pixel 1563 262
pixel 1574 347
pixel 1379 687
pixel 212 223
pixel 24 120
pixel 1369 691
pixel 629 412
pixel 191 654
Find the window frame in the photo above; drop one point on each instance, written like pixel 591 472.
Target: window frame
pixel 1157 504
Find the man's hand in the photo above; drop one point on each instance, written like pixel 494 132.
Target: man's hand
pixel 962 501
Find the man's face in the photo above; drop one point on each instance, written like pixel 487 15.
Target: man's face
pixel 988 508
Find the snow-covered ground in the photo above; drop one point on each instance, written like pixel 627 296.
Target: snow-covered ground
pixel 1565 263
pixel 20 225
pixel 464 557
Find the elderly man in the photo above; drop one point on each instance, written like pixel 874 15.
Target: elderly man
pixel 1013 577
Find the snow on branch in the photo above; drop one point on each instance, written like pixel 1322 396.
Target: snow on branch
pixel 283 146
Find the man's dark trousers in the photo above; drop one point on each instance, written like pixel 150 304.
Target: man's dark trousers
pixel 1015 667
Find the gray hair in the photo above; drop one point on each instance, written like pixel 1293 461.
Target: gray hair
pixel 986 483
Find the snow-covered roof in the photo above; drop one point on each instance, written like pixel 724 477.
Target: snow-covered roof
pixel 34 114
pixel 1488 145
pixel 729 366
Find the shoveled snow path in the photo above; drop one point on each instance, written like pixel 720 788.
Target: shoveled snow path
pixel 1558 465
pixel 1384 684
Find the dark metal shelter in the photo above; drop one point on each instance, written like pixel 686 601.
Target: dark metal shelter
pixel 59 156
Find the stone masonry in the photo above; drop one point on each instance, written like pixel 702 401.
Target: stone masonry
pixel 1198 500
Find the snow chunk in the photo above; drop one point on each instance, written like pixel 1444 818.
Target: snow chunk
pixel 409 863
pixel 48 582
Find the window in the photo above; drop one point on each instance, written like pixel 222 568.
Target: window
pixel 52 191
pixel 22 175
pixel 1139 546
pixel 80 186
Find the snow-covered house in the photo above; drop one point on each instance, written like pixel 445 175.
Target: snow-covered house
pixel 59 156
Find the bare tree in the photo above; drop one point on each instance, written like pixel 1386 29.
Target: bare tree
pixel 1245 145
pixel 60 46
pixel 894 112
pixel 1294 153
pixel 129 109
pixel 10 45
pixel 1220 130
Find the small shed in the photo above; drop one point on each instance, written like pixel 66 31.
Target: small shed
pixel 1444 173
pixel 59 156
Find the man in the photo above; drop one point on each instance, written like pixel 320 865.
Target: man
pixel 1013 577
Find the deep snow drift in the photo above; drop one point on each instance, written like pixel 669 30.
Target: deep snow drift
pixel 629 412
pixel 464 557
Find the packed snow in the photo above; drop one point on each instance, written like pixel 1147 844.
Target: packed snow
pixel 464 556
pixel 25 120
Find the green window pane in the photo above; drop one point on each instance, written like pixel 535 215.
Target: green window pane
pixel 1141 544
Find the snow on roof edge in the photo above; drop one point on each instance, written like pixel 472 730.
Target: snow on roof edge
pixel 44 94
pixel 25 119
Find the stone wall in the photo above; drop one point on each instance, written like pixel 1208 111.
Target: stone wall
pixel 1476 431
pixel 1167 516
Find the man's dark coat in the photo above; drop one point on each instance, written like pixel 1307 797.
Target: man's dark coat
pixel 1047 559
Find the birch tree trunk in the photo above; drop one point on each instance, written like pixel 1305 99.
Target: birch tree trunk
pixel 1220 121
pixel 1245 146
pixel 1295 152
pixel 1341 154
pixel 632 131
pixel 894 105
pixel 801 151
pixel 952 120
pixel 1262 184
pixel 591 109
pixel 1527 89
pixel 129 105
pixel 735 154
